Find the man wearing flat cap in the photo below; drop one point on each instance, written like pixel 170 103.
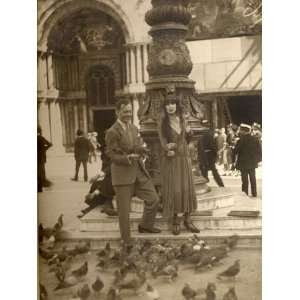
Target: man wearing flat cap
pixel 247 155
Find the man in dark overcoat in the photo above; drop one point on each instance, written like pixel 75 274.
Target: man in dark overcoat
pixel 207 154
pixel 82 149
pixel 42 146
pixel 248 154
pixel 129 176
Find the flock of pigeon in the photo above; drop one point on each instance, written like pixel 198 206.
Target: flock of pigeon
pixel 133 265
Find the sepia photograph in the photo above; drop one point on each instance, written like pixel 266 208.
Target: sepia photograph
pixel 149 149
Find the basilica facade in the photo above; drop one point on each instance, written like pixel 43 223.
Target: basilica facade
pixel 92 52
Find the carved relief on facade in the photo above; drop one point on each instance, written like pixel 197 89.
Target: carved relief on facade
pixel 84 32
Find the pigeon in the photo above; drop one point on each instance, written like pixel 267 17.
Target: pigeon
pixel 43 292
pixel 81 271
pixel 231 241
pixel 134 283
pixel 170 271
pixel 210 291
pixel 66 265
pixel 98 285
pixel 119 275
pixel 59 223
pixel 231 272
pixel 152 293
pixel 84 292
pixel 66 283
pixel 230 294
pixel 47 236
pixel 60 256
pixel 113 294
pixel 60 273
pixel 85 248
pixel 188 293
pixel 206 260
pixel 104 252
pixel 46 254
pixel 218 253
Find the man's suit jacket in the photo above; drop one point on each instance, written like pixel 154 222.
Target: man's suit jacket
pixel 247 152
pixel 207 149
pixel 118 146
pixel 82 148
pixel 42 146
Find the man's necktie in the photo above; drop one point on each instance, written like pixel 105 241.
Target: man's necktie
pixel 129 134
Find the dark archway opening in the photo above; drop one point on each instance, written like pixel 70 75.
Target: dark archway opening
pixel 245 109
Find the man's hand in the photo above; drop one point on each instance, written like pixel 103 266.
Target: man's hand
pixel 170 153
pixel 171 146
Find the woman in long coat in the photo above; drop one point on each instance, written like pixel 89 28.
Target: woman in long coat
pixel 178 191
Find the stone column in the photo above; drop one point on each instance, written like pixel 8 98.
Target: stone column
pixel 50 70
pixel 42 71
pixel 133 74
pixel 139 64
pixel 128 66
pixel 56 128
pixel 43 118
pixel 146 76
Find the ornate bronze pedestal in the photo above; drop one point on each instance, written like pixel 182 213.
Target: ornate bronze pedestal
pixel 169 66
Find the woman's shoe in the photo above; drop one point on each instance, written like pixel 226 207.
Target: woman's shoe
pixel 190 226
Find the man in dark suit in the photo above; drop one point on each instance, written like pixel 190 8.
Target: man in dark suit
pixel 247 153
pixel 207 154
pixel 42 146
pixel 129 176
pixel 82 149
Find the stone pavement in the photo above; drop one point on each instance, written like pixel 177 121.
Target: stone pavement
pixel 67 197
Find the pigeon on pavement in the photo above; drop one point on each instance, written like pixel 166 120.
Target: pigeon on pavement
pixel 231 272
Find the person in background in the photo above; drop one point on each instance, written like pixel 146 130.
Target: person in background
pixel 256 131
pixel 82 149
pixel 227 159
pixel 94 146
pixel 207 155
pixel 220 140
pixel 248 154
pixel 42 146
pixel 178 191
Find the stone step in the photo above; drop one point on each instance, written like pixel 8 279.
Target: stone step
pixel 97 222
pixel 215 199
pixel 250 239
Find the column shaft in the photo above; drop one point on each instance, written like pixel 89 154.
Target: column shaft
pixel 128 77
pixel 50 70
pixel 132 67
pixel 139 64
pixel 145 63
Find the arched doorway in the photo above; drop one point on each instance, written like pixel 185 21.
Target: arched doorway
pixel 100 89
pixel 89 68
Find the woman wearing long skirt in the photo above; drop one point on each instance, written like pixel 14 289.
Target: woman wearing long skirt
pixel 178 191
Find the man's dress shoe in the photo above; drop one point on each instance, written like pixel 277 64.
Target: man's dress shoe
pixel 148 230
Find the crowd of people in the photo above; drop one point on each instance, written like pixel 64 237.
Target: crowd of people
pixel 226 141
pixel 124 175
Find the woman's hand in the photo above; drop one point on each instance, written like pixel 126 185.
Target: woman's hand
pixel 171 146
pixel 188 129
pixel 170 153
